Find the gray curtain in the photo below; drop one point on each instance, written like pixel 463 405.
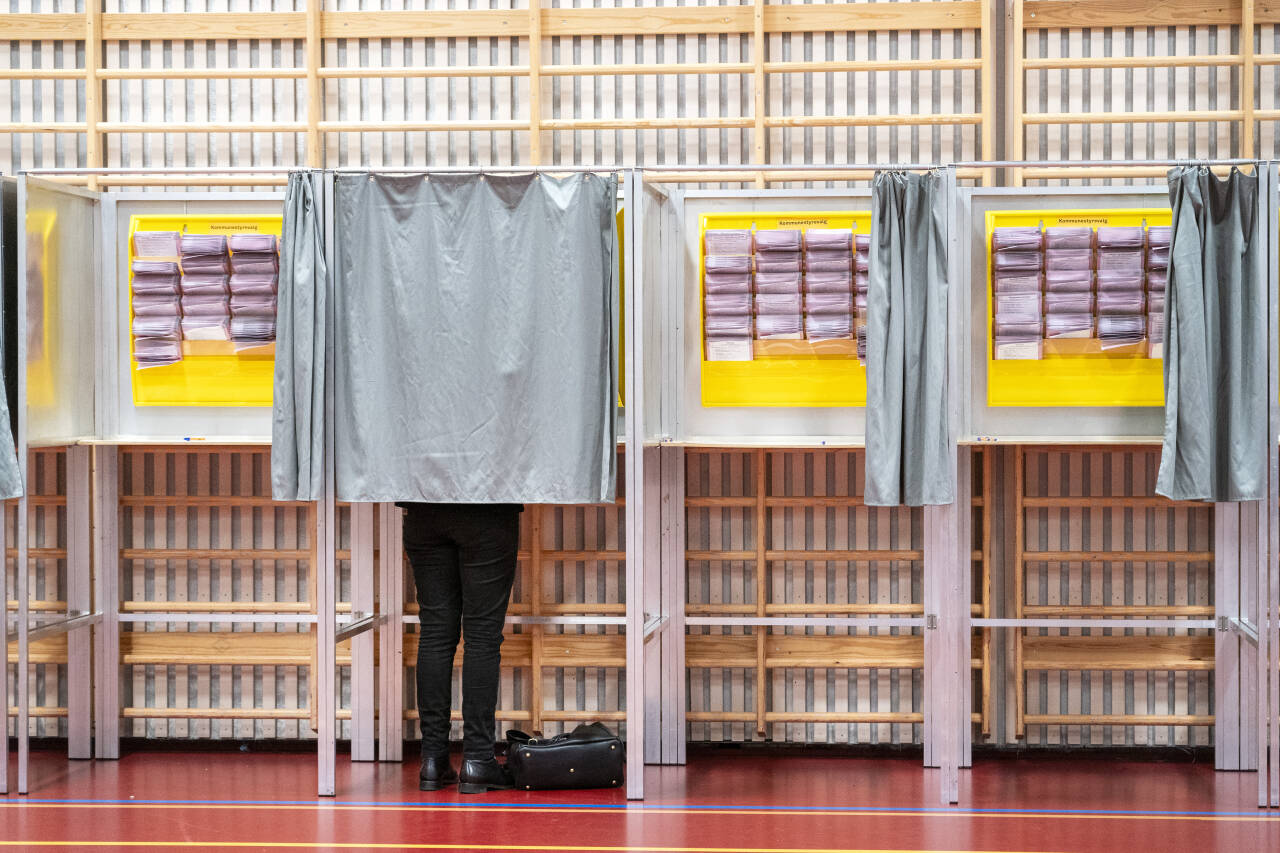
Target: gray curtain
pixel 10 473
pixel 302 346
pixel 908 444
pixel 1215 355
pixel 475 338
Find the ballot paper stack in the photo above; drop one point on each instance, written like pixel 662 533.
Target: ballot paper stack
pixel 828 284
pixel 206 310
pixel 1121 286
pixel 156 324
pixel 254 281
pixel 1158 239
pixel 779 303
pixel 1069 301
pixel 727 301
pixel 1018 261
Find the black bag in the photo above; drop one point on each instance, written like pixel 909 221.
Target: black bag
pixel 590 756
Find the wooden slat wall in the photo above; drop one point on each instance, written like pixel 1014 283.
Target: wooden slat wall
pixel 424 83
pixel 1165 675
pixel 174 502
pixel 47 575
pixel 750 518
pixel 1100 80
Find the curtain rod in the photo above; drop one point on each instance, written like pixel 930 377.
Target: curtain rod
pixel 683 167
pixel 1035 164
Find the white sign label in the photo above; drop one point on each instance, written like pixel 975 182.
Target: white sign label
pixel 729 350
pixel 1021 350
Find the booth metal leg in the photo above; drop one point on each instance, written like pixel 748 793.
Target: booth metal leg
pixel 390 634
pixel 79 601
pixel 947 673
pixel 22 676
pixel 671 570
pixel 106 571
pixel 362 675
pixel 1236 554
pixel 655 689
pixel 326 646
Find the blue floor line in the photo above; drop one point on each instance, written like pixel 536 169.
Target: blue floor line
pixel 648 807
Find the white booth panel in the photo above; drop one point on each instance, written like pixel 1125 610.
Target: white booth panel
pixel 59 256
pixel 685 420
pixel 120 419
pixel 1029 424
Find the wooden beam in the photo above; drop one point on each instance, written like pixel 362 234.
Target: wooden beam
pixel 1117 611
pixel 875 120
pixel 1117 557
pixel 505 23
pixel 314 51
pixel 1120 719
pixel 892 717
pixel 92 87
pixel 1097 14
pixel 988 83
pixel 1161 116
pixel 473 23
pixel 759 89
pixel 1119 653
pixel 42 27
pixel 535 84
pixel 1247 31
pixel 1111 502
pixel 1082 62
pixel 183 26
pixel 204 73
pixel 800 651
pixel 872 17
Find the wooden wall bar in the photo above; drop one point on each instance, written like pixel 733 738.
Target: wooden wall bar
pixel 534 58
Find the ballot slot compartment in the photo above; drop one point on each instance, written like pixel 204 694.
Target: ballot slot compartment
pixel 220 388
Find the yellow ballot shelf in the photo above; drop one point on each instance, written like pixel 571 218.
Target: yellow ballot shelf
pixel 211 373
pixel 783 373
pixel 1079 372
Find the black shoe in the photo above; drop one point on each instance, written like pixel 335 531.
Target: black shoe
pixel 436 773
pixel 483 774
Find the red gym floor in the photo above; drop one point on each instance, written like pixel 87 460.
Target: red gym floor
pixel 722 801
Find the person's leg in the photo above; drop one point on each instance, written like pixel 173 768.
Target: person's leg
pixel 488 542
pixel 434 557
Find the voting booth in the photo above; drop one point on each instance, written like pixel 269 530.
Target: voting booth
pixel 763 532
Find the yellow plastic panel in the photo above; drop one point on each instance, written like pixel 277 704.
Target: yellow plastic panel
pixel 211 373
pixel 800 374
pixel 42 292
pixel 1075 373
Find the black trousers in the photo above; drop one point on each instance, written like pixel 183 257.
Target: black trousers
pixel 464 562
